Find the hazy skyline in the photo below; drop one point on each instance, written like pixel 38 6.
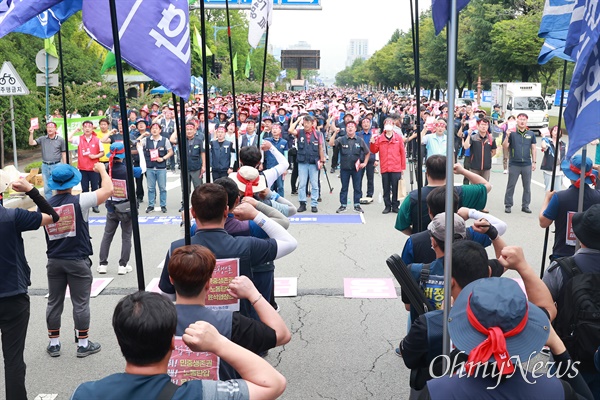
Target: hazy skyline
pixel 331 28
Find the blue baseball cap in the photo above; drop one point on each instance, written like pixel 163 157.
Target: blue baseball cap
pixel 64 176
pixel 117 149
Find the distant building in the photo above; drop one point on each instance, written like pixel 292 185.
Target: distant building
pixel 358 48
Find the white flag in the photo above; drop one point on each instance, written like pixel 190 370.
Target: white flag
pixel 261 13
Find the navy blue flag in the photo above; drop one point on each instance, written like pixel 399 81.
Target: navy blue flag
pixel 582 115
pixel 47 23
pixel 154 37
pixel 440 9
pixel 14 13
pixel 554 28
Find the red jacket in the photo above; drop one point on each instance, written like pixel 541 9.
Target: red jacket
pixel 84 149
pixel 392 155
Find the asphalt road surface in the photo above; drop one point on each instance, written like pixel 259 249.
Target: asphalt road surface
pixel 341 348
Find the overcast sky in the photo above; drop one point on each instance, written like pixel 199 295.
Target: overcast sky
pixel 331 28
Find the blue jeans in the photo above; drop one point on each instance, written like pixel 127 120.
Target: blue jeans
pixel 370 170
pixel 345 175
pixel 153 176
pixel 308 171
pixel 278 186
pixel 46 171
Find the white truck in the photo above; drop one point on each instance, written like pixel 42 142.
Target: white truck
pixel 521 97
pixel 297 85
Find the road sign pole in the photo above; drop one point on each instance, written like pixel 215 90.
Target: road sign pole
pixel 14 136
pixel 64 101
pixel 47 90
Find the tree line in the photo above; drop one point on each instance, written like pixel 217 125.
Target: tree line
pixel 497 39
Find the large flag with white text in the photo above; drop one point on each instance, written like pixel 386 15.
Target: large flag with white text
pixel 582 115
pixel 261 13
pixel 440 10
pixel 48 22
pixel 154 37
pixel 14 13
pixel 554 28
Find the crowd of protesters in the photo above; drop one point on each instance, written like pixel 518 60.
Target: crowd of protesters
pixel 249 155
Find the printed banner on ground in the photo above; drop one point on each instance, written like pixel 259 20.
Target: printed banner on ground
pixel 286 287
pixel 369 288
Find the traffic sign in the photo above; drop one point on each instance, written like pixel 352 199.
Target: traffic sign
pixel 277 4
pixel 11 83
pixel 40 61
pixel 40 79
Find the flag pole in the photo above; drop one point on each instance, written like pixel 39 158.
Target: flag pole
pixel 237 142
pixel 64 101
pixel 180 127
pixel 183 164
pixel 414 20
pixel 205 91
pixel 452 32
pixel 581 185
pixel 556 158
pixel 128 160
pixel 262 86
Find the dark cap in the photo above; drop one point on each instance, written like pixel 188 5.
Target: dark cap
pixel 586 226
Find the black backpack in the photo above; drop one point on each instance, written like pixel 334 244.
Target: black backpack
pixel 578 319
pixel 406 121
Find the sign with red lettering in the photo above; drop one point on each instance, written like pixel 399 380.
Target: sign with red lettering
pixel 153 154
pixel 217 297
pixel 187 365
pixel 35 123
pixel 65 227
pixel 571 239
pixel 119 189
pixel 367 288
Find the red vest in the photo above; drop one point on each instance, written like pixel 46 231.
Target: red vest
pixel 85 148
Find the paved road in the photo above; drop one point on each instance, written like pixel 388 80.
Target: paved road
pixel 341 348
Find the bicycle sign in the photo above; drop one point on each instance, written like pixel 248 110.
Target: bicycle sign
pixel 8 78
pixel 11 83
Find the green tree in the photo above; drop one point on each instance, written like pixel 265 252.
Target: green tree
pixel 515 46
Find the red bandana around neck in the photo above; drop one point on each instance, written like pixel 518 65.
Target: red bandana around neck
pixel 494 344
pixel 588 174
pixel 248 192
pixel 112 158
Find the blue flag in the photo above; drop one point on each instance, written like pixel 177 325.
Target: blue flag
pixel 14 13
pixel 554 28
pixel 553 47
pixel 582 115
pixel 154 37
pixel 48 23
pixel 440 9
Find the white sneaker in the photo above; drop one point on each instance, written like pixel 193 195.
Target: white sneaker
pixel 102 269
pixel 505 172
pixel 124 269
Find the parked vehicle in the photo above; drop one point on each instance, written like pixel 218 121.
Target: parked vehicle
pixel 524 97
